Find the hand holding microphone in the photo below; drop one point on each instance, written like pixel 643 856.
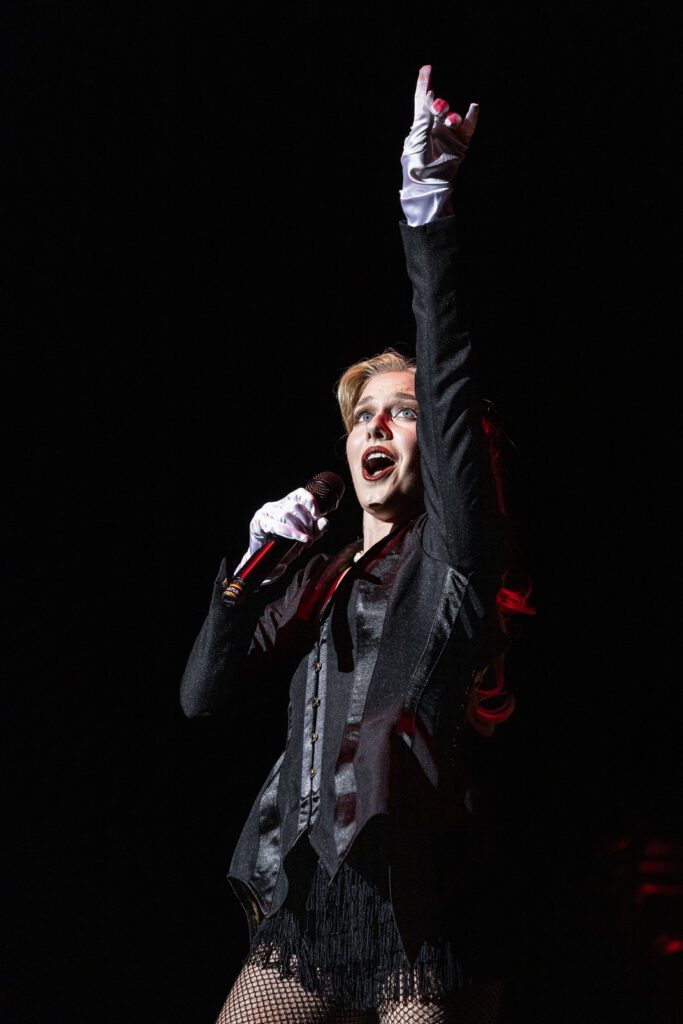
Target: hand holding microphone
pixel 280 529
pixel 295 517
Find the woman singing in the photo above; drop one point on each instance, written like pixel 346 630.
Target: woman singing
pixel 356 865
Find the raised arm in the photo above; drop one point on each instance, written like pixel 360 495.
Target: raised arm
pixel 463 525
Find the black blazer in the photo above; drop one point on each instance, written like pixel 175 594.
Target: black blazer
pixel 421 612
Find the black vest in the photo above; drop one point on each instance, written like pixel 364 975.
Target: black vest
pixel 384 671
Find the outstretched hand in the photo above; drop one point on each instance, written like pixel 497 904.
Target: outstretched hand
pixel 432 153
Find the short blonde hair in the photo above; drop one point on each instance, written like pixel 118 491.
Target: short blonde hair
pixel 353 380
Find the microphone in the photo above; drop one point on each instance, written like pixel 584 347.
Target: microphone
pixel 328 489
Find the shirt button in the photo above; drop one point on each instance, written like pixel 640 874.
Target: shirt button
pixel 317 666
pixel 314 772
pixel 314 737
pixel 315 701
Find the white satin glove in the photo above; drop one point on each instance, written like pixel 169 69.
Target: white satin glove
pixel 295 516
pixel 432 154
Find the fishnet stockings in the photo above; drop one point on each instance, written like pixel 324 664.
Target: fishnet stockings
pixel 262 996
pixel 478 1004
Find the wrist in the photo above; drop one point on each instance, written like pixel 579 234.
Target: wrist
pixel 423 204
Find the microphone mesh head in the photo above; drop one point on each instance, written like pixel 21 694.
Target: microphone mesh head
pixel 328 489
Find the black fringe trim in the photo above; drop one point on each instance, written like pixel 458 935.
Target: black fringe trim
pixel 344 946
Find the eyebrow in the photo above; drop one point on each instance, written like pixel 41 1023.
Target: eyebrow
pixel 397 394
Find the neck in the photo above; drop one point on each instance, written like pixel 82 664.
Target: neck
pixel 375 529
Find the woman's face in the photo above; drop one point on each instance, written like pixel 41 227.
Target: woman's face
pixel 382 448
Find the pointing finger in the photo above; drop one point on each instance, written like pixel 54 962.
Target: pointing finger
pixel 422 88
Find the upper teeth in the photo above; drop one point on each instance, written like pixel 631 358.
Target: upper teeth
pixel 376 455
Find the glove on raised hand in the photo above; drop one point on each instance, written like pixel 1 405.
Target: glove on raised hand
pixel 432 153
pixel 295 516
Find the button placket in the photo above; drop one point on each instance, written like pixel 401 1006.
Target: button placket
pixel 316 701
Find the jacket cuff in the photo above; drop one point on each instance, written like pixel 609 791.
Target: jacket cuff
pixel 442 225
pixel 222 572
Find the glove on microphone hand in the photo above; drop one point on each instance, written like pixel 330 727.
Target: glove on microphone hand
pixel 295 516
pixel 432 153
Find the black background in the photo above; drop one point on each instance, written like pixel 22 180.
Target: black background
pixel 202 233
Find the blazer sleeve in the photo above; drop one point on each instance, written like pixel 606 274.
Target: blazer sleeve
pixel 463 525
pixel 244 647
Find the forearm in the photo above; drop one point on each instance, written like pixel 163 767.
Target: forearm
pixel 459 493
pixel 250 647
pixel 218 661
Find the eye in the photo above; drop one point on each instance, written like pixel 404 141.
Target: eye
pixel 358 417
pixel 412 413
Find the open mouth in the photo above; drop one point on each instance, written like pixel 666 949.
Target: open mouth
pixel 377 463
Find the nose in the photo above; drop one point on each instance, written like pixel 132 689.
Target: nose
pixel 379 426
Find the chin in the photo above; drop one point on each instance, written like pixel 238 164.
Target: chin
pixel 393 511
pixel 381 512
